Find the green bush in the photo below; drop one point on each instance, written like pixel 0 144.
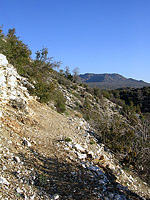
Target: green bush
pixel 15 50
pixel 44 91
pixel 74 86
pixel 60 102
pixel 106 94
pixel 67 139
pixel 92 142
pixel 42 180
pixel 63 81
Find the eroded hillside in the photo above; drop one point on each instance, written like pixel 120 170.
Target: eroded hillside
pixel 47 155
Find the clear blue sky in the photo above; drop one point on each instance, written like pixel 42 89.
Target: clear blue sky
pixel 99 36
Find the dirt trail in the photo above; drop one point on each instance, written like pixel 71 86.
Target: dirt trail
pixel 52 126
pixel 48 165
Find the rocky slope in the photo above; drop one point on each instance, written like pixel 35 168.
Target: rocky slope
pixel 47 155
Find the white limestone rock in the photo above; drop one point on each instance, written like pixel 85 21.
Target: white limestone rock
pixel 1 114
pixel 3 60
pixel 26 143
pixel 3 181
pixel 4 167
pixel 12 84
pixel 81 156
pixel 55 197
pixel 78 147
pixel 18 190
pixel 17 159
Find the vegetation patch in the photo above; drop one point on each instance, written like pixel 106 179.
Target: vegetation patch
pixel 67 139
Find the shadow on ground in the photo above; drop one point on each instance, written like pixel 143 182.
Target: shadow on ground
pixel 70 181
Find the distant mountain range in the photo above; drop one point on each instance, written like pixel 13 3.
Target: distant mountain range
pixel 111 81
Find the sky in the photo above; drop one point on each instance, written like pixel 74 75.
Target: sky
pixel 97 36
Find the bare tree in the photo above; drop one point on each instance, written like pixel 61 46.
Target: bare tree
pixel 76 73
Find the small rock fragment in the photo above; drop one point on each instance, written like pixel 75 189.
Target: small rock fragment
pixel 18 190
pixel 17 159
pixel 78 147
pixel 27 143
pixel 55 197
pixel 81 156
pixel 119 197
pixel 3 181
pixel 4 167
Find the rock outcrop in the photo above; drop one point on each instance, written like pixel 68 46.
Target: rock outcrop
pixel 12 88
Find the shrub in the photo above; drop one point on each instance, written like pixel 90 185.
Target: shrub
pixel 62 80
pixel 74 86
pixel 60 106
pixel 60 102
pixel 44 91
pixel 67 139
pixel 17 52
pixel 92 142
pixel 106 94
pixel 42 180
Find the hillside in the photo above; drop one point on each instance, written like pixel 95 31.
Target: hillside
pixel 60 139
pixel 111 81
pixel 139 97
pixel 48 155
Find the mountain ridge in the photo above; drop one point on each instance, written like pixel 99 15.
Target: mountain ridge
pixel 111 81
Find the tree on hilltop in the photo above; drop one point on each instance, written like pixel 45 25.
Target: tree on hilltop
pixel 18 53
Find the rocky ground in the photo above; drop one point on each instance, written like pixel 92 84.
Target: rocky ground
pixel 47 155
